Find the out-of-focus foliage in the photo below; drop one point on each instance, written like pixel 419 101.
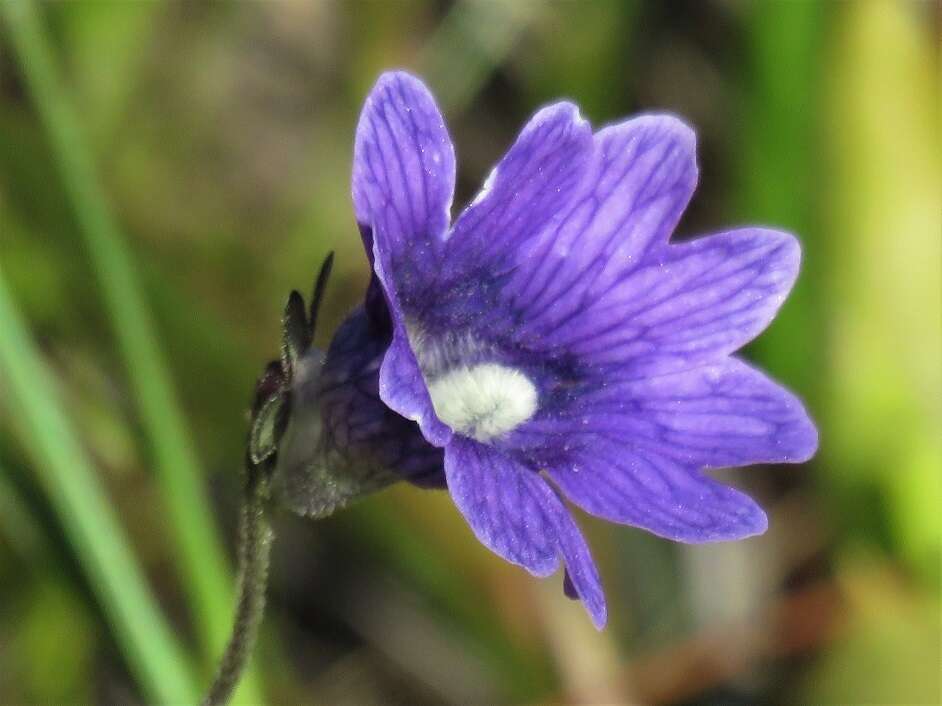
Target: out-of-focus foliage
pixel 884 187
pixel 221 135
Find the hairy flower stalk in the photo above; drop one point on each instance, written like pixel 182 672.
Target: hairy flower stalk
pixel 255 539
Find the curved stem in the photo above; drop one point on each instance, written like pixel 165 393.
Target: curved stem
pixel 255 538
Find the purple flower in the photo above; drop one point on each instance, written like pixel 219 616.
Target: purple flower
pixel 554 344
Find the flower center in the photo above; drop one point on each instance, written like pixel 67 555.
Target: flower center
pixel 484 400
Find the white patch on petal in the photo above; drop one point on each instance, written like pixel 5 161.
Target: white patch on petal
pixel 483 401
pixel 476 397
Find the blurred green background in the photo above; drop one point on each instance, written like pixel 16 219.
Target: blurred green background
pixel 168 172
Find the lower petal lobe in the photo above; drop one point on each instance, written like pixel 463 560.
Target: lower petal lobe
pixel 632 451
pixel 511 509
pixel 568 215
pixel 527 191
pixel 516 514
pixel 582 576
pixel 714 416
pixel 637 487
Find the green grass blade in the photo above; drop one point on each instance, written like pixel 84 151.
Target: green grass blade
pixel 69 479
pixel 472 39
pixel 777 170
pixel 199 551
pixel 17 524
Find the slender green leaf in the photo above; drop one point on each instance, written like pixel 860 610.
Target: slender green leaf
pixel 87 518
pixel 776 183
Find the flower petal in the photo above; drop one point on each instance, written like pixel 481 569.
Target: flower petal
pixel 401 383
pixel 403 171
pixel 509 507
pixel 403 181
pixel 402 387
pixel 714 416
pixel 562 217
pixel 641 177
pixel 633 451
pixel 582 576
pixel 633 486
pixel 526 190
pixel 685 305
pixel 515 514
pixel 717 415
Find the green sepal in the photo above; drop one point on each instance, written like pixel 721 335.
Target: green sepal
pixel 326 484
pixel 267 428
pixel 295 332
pixel 317 295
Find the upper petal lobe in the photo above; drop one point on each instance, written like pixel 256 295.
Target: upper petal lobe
pixel 403 387
pixel 403 181
pixel 403 170
pixel 634 191
pixel 526 191
pixel 689 303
